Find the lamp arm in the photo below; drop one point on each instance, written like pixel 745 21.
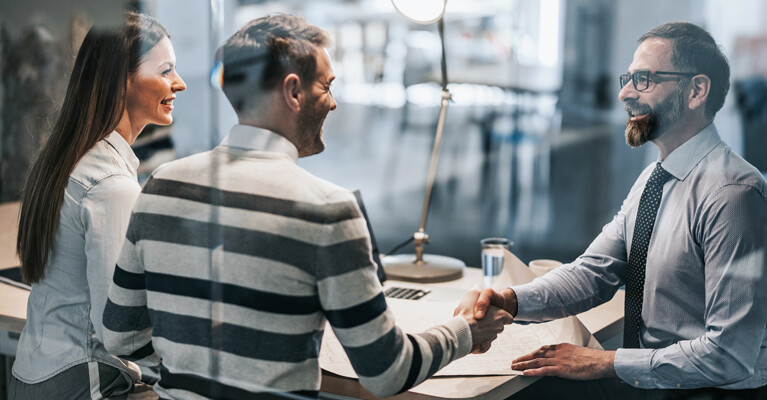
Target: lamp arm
pixel 434 157
pixel 421 237
pixel 441 29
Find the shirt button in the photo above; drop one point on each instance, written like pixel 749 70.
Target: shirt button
pixel 678 385
pixel 636 383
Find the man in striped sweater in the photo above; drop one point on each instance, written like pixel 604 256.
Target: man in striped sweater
pixel 236 257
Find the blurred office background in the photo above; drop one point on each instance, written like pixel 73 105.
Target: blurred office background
pixel 533 147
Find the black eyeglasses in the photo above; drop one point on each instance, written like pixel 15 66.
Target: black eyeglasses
pixel 642 79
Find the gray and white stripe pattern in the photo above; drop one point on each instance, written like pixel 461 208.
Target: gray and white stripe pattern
pixel 229 284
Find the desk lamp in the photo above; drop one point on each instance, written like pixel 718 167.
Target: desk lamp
pixel 426 267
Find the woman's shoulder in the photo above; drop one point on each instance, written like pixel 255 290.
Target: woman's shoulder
pixel 99 166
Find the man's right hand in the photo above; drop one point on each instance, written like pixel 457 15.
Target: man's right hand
pixel 483 331
pixel 505 300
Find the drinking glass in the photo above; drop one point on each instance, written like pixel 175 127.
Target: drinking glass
pixel 492 258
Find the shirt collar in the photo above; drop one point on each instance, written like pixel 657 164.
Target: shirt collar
pixel 117 141
pixel 253 138
pixel 684 158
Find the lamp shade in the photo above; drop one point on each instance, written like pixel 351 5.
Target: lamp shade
pixel 421 11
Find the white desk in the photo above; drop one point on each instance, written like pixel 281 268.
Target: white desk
pixel 13 301
pixel 9 221
pixel 604 322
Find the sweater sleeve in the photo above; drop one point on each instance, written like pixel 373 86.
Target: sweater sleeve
pixel 127 327
pixel 386 359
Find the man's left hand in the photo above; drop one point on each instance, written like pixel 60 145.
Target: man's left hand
pixel 567 361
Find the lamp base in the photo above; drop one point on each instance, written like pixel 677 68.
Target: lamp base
pixel 402 267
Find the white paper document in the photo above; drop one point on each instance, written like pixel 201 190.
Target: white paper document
pixel 516 340
pixel 415 316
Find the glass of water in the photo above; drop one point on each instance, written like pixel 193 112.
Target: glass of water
pixel 492 258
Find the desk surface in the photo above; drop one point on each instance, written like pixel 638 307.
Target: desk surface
pixel 9 221
pixel 13 301
pixel 604 322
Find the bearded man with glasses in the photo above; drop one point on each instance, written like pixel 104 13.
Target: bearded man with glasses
pixel 689 243
pixel 644 120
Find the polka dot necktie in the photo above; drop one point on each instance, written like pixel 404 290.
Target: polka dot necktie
pixel 635 270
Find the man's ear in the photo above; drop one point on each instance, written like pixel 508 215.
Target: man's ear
pixel 291 91
pixel 700 85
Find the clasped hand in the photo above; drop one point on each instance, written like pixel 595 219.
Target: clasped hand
pixel 483 330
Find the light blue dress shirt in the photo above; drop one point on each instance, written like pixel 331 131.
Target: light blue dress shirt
pixel 65 308
pixel 704 314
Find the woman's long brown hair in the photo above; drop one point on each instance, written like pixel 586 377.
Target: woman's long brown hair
pixel 92 108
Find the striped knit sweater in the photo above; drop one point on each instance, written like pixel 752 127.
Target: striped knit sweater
pixel 234 260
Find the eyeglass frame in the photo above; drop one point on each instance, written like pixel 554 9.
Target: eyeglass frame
pixel 647 73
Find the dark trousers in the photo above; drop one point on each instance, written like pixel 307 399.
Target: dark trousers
pixel 84 381
pixel 559 388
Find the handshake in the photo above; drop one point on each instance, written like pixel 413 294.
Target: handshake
pixel 487 313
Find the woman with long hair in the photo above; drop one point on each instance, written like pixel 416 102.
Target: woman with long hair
pixel 75 207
